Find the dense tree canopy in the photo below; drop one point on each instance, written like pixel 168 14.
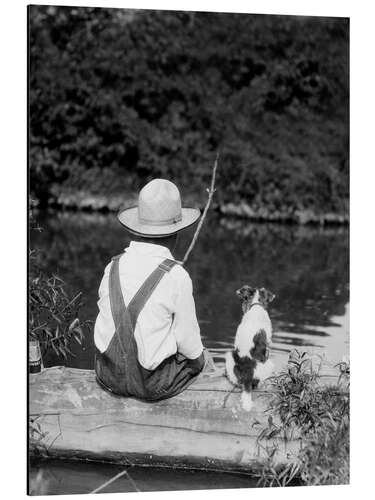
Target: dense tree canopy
pixel 120 96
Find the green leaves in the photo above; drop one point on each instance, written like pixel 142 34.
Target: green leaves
pixel 53 316
pixel 321 416
pixel 149 93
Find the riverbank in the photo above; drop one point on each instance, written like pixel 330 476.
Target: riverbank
pixel 272 100
pixel 82 200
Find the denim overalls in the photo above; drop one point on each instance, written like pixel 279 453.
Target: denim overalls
pixel 118 369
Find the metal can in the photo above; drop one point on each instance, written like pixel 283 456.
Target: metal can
pixel 35 357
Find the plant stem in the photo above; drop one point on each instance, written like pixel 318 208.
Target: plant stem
pixel 199 227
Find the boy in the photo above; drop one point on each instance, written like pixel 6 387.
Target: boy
pixel 146 335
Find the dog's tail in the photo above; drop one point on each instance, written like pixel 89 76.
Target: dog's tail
pixel 229 368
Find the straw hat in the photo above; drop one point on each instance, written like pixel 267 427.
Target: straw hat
pixel 159 211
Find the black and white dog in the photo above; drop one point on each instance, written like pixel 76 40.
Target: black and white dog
pixel 248 363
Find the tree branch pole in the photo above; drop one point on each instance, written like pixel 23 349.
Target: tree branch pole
pixel 110 481
pixel 211 192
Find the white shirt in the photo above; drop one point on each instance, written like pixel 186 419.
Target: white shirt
pixel 168 321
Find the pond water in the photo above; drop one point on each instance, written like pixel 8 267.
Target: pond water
pixel 306 267
pixel 58 477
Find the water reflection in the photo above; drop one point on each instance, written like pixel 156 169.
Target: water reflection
pixel 307 269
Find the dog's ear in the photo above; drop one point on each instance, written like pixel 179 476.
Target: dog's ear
pixel 266 296
pixel 245 292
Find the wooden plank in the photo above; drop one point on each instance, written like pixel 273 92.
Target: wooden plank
pixel 204 427
pixel 90 437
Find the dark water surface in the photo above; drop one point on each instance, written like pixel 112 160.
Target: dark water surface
pixel 306 267
pixel 59 477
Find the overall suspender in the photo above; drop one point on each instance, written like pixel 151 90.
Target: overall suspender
pixel 118 369
pixel 125 317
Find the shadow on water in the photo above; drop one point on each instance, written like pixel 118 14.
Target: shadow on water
pixel 306 267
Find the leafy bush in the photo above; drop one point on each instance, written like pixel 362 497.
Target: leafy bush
pixel 120 96
pixel 53 315
pixel 53 318
pixel 320 414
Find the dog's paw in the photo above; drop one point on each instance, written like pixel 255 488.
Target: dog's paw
pixel 246 401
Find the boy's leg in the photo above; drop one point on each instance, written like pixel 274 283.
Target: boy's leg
pixel 196 365
pixel 203 363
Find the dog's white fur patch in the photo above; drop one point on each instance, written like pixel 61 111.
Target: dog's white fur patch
pixel 264 370
pixel 254 320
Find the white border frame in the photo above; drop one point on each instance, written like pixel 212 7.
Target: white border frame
pixel 14 218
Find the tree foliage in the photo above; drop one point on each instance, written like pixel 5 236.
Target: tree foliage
pixel 120 96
